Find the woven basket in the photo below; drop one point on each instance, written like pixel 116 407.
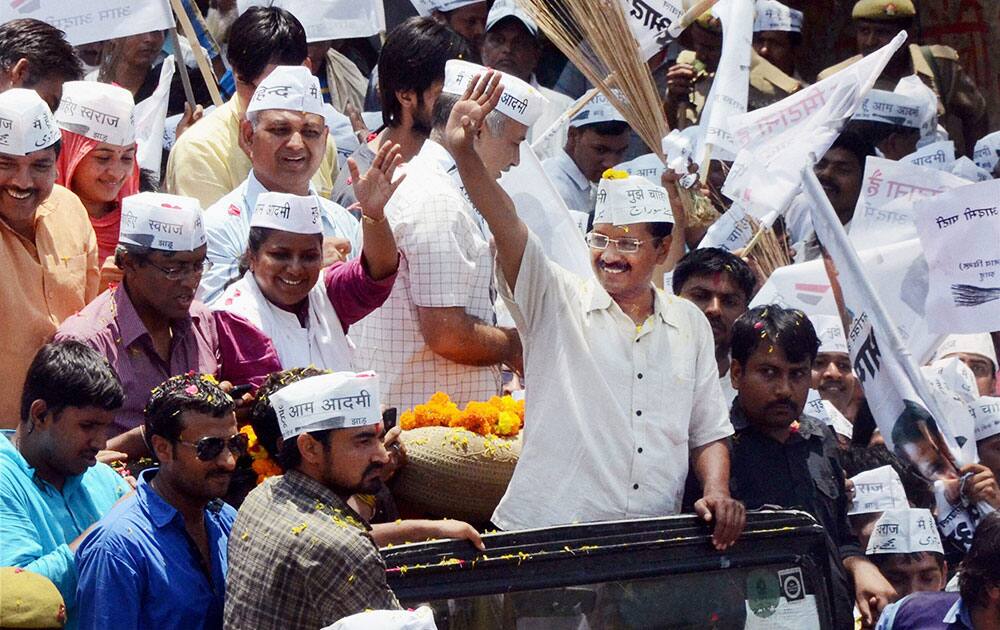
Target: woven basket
pixel 455 473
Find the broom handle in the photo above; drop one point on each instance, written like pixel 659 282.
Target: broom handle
pixel 569 113
pixel 199 56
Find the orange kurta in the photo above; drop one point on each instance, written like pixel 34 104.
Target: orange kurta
pixel 44 282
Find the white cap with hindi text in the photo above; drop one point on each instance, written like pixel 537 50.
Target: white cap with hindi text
pixel 827 413
pixel 99 111
pixel 426 7
pixel 164 222
pixel 977 343
pixel 597 110
pixel 420 619
pixel 519 101
pixel 890 108
pixel 509 8
pixel 288 87
pixel 288 213
pixel 986 155
pixel 26 123
pixel 774 16
pixel 830 331
pixel 987 412
pixel 340 400
pixel 877 490
pixel 630 199
pixel 910 530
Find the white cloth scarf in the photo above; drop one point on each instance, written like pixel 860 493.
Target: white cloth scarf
pixel 322 343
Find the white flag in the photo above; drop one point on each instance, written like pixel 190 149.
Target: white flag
pixel 649 20
pixel 960 230
pixel 728 96
pixel 884 212
pixel 150 117
pixel 330 19
pixel 906 412
pixel 93 20
pixel 732 231
pixel 779 138
pixel 544 211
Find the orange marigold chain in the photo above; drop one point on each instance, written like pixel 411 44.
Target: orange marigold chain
pixel 502 416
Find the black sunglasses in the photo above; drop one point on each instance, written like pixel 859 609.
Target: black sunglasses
pixel 208 448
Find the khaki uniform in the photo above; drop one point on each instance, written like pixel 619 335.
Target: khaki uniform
pixel 961 106
pixel 768 85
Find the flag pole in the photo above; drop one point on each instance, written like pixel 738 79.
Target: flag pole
pixel 199 54
pixel 182 68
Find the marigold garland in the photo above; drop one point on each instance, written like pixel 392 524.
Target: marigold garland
pixel 262 464
pixel 502 416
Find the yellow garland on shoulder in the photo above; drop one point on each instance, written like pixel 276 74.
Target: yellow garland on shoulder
pixel 501 416
pixel 262 463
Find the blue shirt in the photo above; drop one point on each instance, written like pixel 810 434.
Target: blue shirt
pixel 140 569
pixel 227 227
pixel 926 611
pixel 37 521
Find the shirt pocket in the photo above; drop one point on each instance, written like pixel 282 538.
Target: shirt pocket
pixel 65 281
pixel 822 473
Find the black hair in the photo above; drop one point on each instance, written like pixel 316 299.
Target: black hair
pixel 876 132
pixel 906 428
pixel 606 128
pixel 44 46
pixel 857 459
pixel 880 560
pixel 70 373
pixel 980 569
pixel 786 328
pixel 262 36
pixel 184 392
pixel 265 422
pixel 660 229
pixel 711 260
pixel 856 144
pixel 149 181
pixel 413 58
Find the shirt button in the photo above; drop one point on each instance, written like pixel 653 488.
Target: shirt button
pixel 639 375
pixel 638 412
pixel 635 486
pixel 640 449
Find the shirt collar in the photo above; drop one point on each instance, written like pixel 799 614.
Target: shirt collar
pixel 601 300
pixel 437 154
pixel 304 485
pixel 569 167
pixel 958 613
pixel 160 512
pixel 252 188
pixel 130 326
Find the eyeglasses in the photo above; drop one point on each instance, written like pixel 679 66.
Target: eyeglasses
pixel 208 448
pixel 623 245
pixel 181 271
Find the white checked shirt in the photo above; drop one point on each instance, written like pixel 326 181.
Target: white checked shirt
pixel 445 262
pixel 613 409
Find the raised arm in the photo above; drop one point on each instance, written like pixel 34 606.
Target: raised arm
pixel 373 190
pixel 509 231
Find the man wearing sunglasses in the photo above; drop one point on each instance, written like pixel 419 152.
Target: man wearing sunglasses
pixel 150 327
pixel 623 382
pixel 158 560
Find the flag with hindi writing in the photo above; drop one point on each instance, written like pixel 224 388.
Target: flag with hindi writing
pixel 649 20
pixel 731 86
pixel 94 20
pixel 330 19
pixel 778 139
pixel 905 409
pixel 150 120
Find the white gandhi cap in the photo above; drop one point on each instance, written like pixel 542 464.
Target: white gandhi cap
pixel 631 199
pixel 519 101
pixel 98 111
pixel 159 221
pixel 293 88
pixel 910 530
pixel 288 213
pixel 26 123
pixel 340 400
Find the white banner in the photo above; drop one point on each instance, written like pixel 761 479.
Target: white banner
pixel 732 231
pixel 728 95
pixel 649 19
pixel 937 155
pixel 93 20
pixel 544 211
pixel 884 212
pixel 330 19
pixel 781 136
pixel 150 120
pixel 960 230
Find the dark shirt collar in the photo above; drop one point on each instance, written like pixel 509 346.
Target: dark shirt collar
pixel 160 512
pixel 130 326
pixel 808 427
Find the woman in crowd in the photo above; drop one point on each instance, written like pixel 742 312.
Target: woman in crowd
pixel 306 316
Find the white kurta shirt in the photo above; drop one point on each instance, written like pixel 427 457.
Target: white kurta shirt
pixel 613 409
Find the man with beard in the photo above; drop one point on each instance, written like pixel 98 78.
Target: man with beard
pixel 721 286
pixel 158 559
pixel 832 375
pixel 302 557
pixel 780 457
pixel 410 75
pixel 150 327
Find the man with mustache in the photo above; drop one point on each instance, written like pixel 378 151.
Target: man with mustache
pixel 721 286
pixel 302 557
pixel 48 249
pixel 780 457
pixel 52 489
pixel 158 560
pixel 150 327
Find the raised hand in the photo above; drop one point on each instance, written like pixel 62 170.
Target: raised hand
pixel 480 98
pixel 374 189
